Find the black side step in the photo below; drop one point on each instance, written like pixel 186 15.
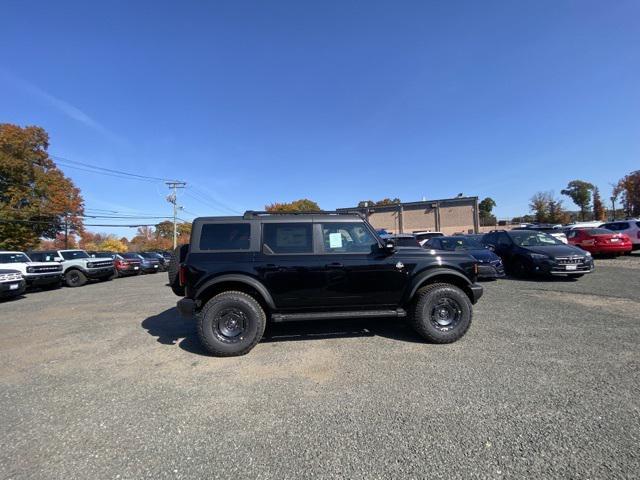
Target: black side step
pixel 292 317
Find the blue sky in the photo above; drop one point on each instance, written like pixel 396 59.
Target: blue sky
pixel 256 102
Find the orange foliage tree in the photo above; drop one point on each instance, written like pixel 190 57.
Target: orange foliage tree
pixel 36 198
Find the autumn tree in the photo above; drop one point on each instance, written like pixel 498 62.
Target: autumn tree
pixel 36 199
pixel 385 202
pixel 580 193
pixel 598 208
pixel 112 244
pixel 629 189
pixel 539 205
pixel 302 205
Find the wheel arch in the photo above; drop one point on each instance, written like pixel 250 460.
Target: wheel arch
pixel 238 282
pixel 441 275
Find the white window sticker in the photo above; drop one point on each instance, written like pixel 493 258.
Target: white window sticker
pixel 335 240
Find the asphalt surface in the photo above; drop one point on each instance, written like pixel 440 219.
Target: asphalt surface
pixel 105 381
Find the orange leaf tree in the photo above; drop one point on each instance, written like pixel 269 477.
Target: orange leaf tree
pixel 36 199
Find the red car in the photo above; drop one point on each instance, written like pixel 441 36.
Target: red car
pixel 600 241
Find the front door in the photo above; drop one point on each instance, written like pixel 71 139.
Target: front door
pixel 356 272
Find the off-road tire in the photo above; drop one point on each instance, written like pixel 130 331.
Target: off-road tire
pixel 426 305
pixel 177 257
pixel 519 269
pixel 74 278
pixel 214 314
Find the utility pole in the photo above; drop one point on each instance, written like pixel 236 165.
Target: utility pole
pixel 173 199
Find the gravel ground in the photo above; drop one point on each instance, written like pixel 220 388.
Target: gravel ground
pixel 105 381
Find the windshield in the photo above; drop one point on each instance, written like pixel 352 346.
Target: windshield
pixel 73 254
pixel 599 231
pixel 460 243
pixel 13 258
pixel 405 241
pixel 133 256
pixel 533 239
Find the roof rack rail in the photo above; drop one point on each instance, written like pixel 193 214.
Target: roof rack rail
pixel 256 213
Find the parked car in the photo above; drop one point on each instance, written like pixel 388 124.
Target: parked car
pixel 631 228
pixel 526 252
pixel 77 265
pixel 600 241
pixel 423 236
pixel 402 239
pixel 553 230
pixel 572 226
pixel 162 263
pixel 240 272
pixel 36 274
pixel 11 283
pixel 489 264
pixel 147 265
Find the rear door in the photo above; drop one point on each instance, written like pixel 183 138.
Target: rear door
pixel 288 267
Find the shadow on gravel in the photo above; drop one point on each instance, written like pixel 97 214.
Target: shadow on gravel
pixel 171 329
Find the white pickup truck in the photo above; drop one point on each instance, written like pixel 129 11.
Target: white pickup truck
pixel 77 265
pixel 35 274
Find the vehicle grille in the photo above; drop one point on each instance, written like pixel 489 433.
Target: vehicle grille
pixel 10 277
pixel 102 264
pixel 46 269
pixel 569 260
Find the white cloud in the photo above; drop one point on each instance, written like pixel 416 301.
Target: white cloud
pixel 62 106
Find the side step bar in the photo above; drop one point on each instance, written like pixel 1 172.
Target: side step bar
pixel 293 317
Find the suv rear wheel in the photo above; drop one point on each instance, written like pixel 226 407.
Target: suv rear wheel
pixel 231 324
pixel 441 313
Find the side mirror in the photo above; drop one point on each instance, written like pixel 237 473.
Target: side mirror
pixel 58 259
pixel 389 246
pixel 491 247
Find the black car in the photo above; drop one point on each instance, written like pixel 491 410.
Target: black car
pixel 402 240
pixel 526 252
pixel 490 265
pixel 239 272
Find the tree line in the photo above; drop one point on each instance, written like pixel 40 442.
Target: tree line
pixel 545 207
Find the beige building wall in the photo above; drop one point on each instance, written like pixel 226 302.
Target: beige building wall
pixel 453 215
pixel 418 219
pixel 456 219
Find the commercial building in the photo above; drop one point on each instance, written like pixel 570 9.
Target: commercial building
pixel 449 215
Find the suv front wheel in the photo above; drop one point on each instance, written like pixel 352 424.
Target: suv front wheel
pixel 441 313
pixel 231 324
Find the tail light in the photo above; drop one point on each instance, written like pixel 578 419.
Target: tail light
pixel 182 276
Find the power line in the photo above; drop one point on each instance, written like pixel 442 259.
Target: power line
pixel 109 171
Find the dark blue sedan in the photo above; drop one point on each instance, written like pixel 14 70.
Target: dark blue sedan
pixel 489 264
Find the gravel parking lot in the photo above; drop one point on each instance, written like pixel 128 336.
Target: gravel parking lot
pixel 106 381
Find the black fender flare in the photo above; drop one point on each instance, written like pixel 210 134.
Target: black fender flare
pixel 74 267
pixel 238 277
pixel 423 277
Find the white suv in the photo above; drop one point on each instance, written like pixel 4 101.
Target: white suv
pixel 628 227
pixel 36 274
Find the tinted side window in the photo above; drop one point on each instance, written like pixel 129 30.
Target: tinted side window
pixel 225 236
pixel 347 238
pixel 489 239
pixel 504 240
pixel 287 238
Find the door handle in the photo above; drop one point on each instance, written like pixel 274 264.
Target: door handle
pixel 334 265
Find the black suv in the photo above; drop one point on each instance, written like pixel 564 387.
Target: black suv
pixel 238 272
pixel 526 252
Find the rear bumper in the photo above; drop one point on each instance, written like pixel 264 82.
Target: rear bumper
pixel 186 307
pixel 476 292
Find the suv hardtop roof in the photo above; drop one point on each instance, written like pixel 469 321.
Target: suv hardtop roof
pixel 292 217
